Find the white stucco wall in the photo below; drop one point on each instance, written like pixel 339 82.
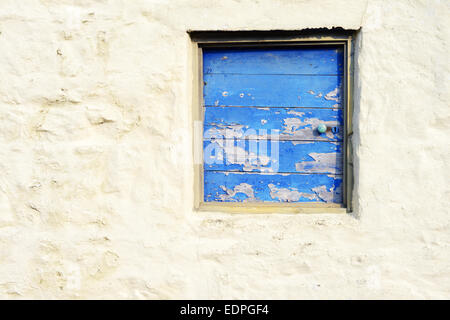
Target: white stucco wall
pixel 96 157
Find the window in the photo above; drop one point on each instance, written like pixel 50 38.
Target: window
pixel 274 117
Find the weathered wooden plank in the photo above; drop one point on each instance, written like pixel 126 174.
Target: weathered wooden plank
pixel 281 123
pixel 326 60
pixel 272 90
pixel 273 156
pixel 264 187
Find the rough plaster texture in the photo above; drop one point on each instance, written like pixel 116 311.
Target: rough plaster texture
pixel 96 178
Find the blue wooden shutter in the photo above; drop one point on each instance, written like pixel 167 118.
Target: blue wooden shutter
pixel 262 108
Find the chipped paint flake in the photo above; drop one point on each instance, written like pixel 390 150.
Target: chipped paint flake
pixel 291 125
pixel 249 160
pixel 299 127
pixel 288 195
pixel 225 131
pixel 297 113
pixel 332 95
pixel 323 162
pixel 326 195
pixel 296 142
pixel 243 188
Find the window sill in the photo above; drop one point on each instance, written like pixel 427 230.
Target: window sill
pixel 265 208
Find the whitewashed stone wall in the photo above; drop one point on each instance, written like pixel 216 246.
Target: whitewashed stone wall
pixel 96 178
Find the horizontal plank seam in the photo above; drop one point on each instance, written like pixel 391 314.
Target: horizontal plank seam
pixel 274 107
pixel 268 139
pixel 278 74
pixel 273 173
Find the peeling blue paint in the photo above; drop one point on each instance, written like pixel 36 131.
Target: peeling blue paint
pixel 263 187
pixel 273 156
pixel 326 60
pixel 291 123
pixel 262 108
pixel 272 90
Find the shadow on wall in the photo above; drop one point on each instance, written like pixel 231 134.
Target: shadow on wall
pixel 355 137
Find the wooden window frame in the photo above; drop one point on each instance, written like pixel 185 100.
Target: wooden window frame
pixel 266 39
